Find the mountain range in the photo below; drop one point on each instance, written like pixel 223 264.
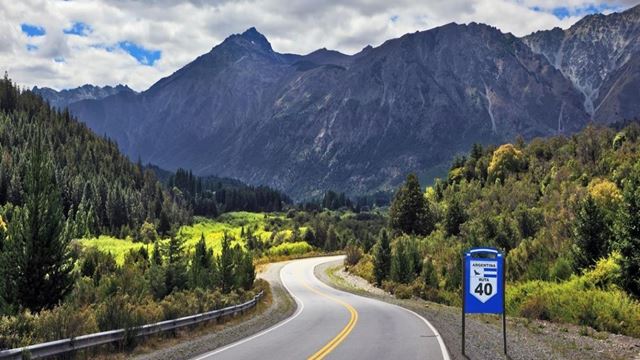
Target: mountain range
pixel 62 99
pixel 360 123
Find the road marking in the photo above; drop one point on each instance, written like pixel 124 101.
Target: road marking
pixel 331 345
pixel 443 347
pixel 240 342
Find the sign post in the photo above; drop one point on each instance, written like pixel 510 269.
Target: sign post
pixel 483 281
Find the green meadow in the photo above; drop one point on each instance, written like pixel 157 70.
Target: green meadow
pixel 265 226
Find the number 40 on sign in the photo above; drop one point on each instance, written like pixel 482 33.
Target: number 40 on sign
pixel 483 286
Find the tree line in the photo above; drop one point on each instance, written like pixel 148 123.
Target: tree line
pixel 210 196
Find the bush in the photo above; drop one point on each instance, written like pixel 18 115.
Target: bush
pixel 64 322
pixel 576 301
pixel 295 248
pixel 364 269
pixel 403 291
pixel 17 331
pixel 353 255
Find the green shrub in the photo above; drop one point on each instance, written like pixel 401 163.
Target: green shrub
pixel 576 301
pixel 364 269
pixel 17 331
pixel 64 322
pixel 295 248
pixel 403 291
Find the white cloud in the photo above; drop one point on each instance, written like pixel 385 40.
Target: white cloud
pixel 184 30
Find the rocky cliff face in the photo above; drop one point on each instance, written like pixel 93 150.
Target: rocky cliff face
pixel 599 54
pixel 307 123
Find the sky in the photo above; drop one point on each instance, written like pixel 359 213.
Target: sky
pixel 65 44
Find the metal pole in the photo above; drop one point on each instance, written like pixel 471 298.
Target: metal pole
pixel 464 287
pixel 504 301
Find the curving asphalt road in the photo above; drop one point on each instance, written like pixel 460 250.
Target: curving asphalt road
pixel 333 324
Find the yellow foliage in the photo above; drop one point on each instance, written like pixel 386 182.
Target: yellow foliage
pixel 605 193
pixel 507 158
pixel 3 225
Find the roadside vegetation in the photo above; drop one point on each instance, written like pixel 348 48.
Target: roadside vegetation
pixel 565 210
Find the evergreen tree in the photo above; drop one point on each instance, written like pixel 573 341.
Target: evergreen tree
pixel 246 271
pixel 202 275
pixel 39 264
pixel 401 264
pixel 310 237
pixel 410 211
pixel 176 268
pixel 331 242
pixel 156 258
pixel 454 217
pixel 628 233
pixel 429 275
pixel 226 266
pixel 591 234
pixel 382 257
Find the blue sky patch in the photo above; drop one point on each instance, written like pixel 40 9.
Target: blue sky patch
pixel 79 28
pixel 394 18
pixel 144 56
pixel 32 30
pixel 58 59
pixel 562 12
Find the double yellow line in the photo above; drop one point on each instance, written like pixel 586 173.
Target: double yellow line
pixel 331 345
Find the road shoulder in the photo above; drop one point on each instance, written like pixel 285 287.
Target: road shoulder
pixel 526 339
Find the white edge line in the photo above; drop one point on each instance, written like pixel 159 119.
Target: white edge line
pixel 443 347
pixel 263 332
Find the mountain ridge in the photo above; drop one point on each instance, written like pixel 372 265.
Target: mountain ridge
pixel 309 123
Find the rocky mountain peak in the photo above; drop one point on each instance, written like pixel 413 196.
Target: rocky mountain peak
pixel 251 39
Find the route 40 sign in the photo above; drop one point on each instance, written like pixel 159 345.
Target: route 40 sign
pixel 484 282
pixel 483 286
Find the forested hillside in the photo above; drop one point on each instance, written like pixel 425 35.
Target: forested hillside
pixel 59 182
pixel 565 210
pixel 102 191
pixel 211 195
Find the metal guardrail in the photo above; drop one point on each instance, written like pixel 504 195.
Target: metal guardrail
pixel 63 346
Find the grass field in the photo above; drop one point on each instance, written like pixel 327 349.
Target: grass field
pixel 263 225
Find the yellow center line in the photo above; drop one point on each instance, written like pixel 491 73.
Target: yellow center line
pixel 331 345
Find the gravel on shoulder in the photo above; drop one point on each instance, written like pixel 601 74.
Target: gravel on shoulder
pixel 526 339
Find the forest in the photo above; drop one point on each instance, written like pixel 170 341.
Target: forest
pixel 211 195
pixel 59 183
pixel 564 210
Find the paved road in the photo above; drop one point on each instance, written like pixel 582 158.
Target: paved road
pixel 333 324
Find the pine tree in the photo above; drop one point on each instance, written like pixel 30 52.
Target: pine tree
pixel 410 211
pixel 156 257
pixel 331 242
pixel 246 271
pixel 176 269
pixel 39 263
pixel 591 234
pixel 454 217
pixel 401 267
pixel 429 275
pixel 628 233
pixel 202 265
pixel 382 258
pixel 226 266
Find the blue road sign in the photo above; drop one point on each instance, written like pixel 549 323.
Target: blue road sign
pixel 484 282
